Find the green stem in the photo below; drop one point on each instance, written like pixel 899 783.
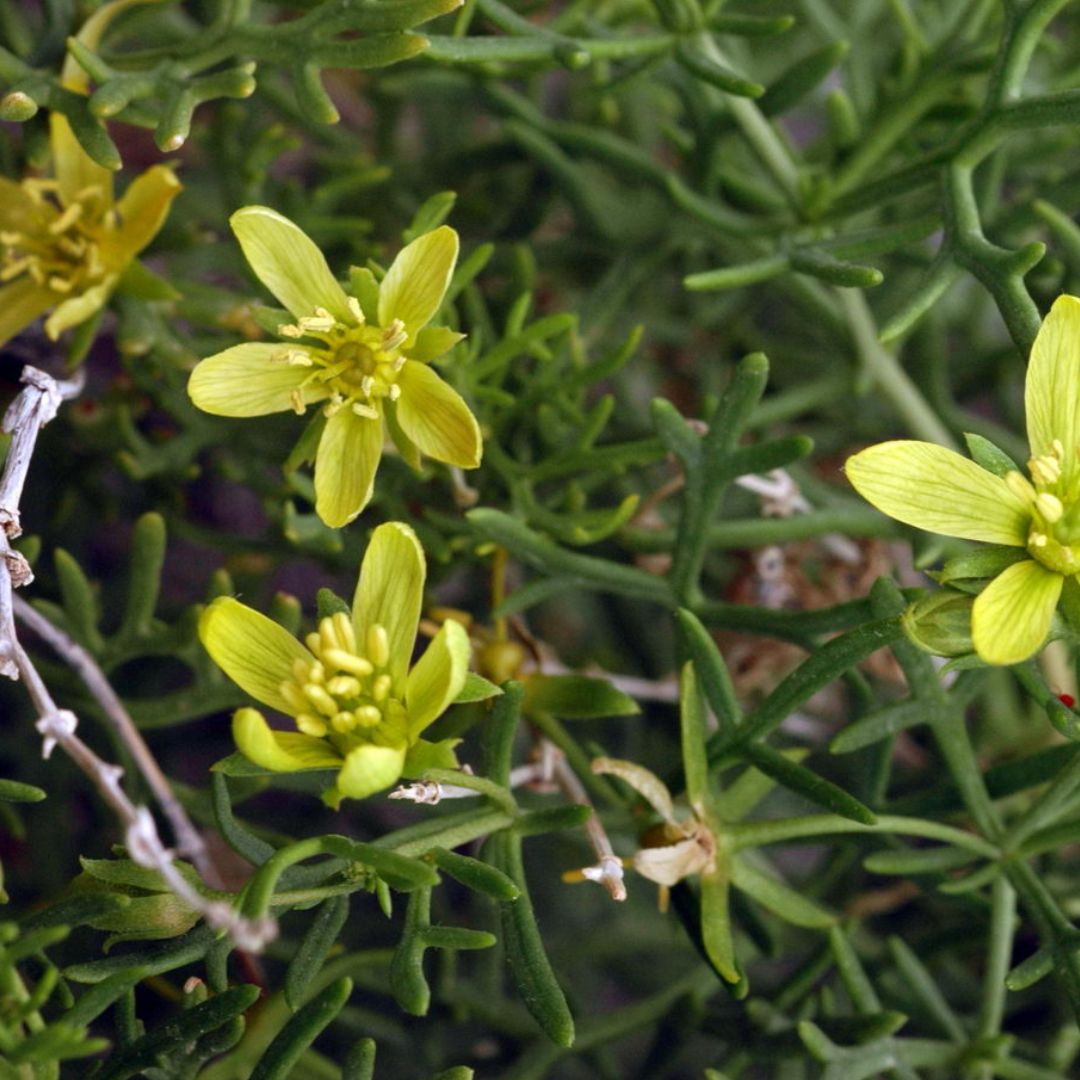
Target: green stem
pixel 885 370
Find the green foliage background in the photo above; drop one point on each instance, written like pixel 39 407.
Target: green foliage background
pixel 701 240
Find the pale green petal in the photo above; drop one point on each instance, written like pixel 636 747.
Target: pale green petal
pixel 345 465
pixel 932 488
pixel 434 416
pixel 281 751
pixel 438 676
pixel 417 280
pixel 286 260
pixel 368 769
pixel 1011 616
pixel 390 592
pixel 246 381
pixel 143 210
pixel 433 342
pixel 21 303
pixel 256 653
pixel 73 169
pixel 79 308
pixel 1052 392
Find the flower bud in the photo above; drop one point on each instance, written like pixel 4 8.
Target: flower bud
pixel 940 623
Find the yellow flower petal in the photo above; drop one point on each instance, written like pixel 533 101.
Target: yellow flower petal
pixel 256 653
pixel 281 751
pixel 417 280
pixel 1052 391
pixel 437 677
pixel 345 465
pixel 246 381
pixel 77 309
pixel 434 416
pixel 21 303
pixel 370 768
pixel 73 169
pixel 287 262
pixel 936 489
pixel 143 209
pixel 390 592
pixel 1011 616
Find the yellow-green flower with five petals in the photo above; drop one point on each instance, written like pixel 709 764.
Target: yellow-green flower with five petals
pixel 932 488
pixel 365 356
pixel 357 706
pixel 65 242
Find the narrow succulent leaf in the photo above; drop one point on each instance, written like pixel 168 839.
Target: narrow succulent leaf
pixel 316 944
pixel 476 875
pixel 416 282
pixel 287 262
pixel 692 722
pixel 1012 615
pixel 74 169
pixel 390 592
pixel 577 697
pixel 247 380
pixel 779 898
pixel 716 932
pixel 256 653
pixel 293 1040
pixel 937 490
pixel 988 456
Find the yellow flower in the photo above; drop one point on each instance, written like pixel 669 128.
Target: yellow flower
pixel 65 243
pixel 357 706
pixel 938 490
pixel 365 355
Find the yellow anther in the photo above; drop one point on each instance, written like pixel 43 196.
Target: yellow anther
pixel 299 358
pixel 300 670
pixel 343 626
pixel 368 412
pixel 1037 540
pixel 314 642
pixel 296 400
pixel 380 689
pixel 320 323
pixel 291 693
pixel 378 645
pixel 354 309
pixel 343 686
pixel 66 219
pixel 1046 469
pixel 344 721
pixel 367 384
pixel 15 268
pixel 1049 506
pixel 394 335
pixel 397 363
pixel 328 634
pixel 1020 486
pixel 333 406
pixel 59 284
pixel 1058 447
pixel 347 661
pixel 368 716
pixel 320 699
pixel 394 392
pixel 311 725
pixel 289 330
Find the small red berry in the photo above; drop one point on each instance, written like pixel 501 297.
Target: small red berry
pixel 1067 700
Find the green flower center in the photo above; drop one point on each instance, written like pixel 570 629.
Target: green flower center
pixel 346 693
pixel 1054 534
pixel 359 364
pixel 65 254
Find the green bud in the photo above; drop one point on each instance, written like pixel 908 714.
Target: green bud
pixel 941 623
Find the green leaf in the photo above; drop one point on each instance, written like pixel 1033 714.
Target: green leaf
pixel 779 898
pixel 990 457
pixel 576 697
pixel 476 875
pixel 17 792
pixel 317 942
pixel 476 688
pixel 300 1032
